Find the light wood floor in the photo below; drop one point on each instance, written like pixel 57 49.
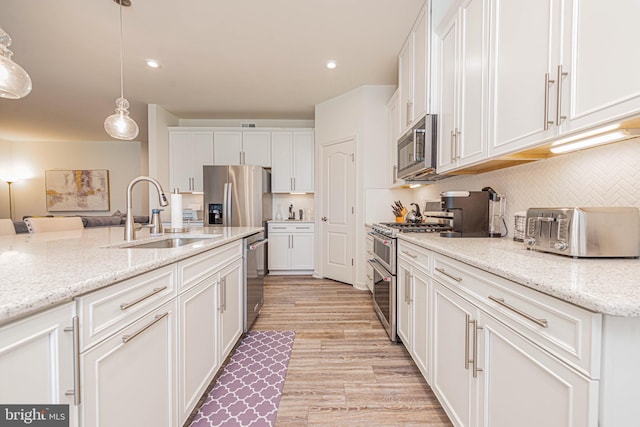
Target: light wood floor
pixel 343 368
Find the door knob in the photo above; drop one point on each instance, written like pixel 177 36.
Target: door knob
pixel 324 218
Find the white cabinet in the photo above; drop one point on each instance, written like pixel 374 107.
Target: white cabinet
pixel 291 248
pixel 189 150
pixel 242 148
pixel 230 308
pixel 36 360
pixel 463 40
pixel 393 108
pixel 413 69
pixel 293 162
pixel 129 378
pixel 602 74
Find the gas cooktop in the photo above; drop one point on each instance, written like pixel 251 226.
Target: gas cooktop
pixel 393 228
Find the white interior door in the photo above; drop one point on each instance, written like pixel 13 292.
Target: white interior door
pixel 337 195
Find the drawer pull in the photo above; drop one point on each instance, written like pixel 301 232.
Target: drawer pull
pixel 409 254
pixel 127 305
pixel 541 322
pixel 75 329
pixel 441 270
pixel 127 338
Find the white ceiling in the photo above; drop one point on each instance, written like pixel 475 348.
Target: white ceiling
pixel 244 59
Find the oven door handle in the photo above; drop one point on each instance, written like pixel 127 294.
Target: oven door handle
pixel 377 237
pixel 380 270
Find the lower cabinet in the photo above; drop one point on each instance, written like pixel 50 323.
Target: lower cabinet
pixel 291 248
pixel 36 360
pixel 230 308
pixel 129 379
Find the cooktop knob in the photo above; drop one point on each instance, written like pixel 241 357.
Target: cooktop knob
pixel 530 241
pixel 561 246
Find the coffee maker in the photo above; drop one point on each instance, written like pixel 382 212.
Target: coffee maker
pixel 470 211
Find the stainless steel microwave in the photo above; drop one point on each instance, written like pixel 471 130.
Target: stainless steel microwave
pixel 417 151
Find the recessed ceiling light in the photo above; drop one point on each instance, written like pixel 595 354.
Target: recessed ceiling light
pixel 331 64
pixel 152 63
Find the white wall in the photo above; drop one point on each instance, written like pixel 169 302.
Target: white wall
pixel 30 160
pixel 603 176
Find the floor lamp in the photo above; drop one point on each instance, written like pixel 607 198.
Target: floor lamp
pixel 11 212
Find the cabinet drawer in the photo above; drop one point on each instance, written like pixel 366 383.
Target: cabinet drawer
pixel 416 255
pixel 292 227
pixel 108 310
pixel 565 330
pixel 197 268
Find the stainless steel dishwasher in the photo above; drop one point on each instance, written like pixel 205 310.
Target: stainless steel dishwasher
pixel 255 268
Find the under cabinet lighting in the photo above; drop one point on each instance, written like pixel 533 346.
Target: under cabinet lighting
pixel 592 138
pixel 415 185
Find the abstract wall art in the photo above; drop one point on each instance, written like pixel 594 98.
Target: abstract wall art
pixel 77 190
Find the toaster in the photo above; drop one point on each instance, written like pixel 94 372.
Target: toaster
pixel 612 232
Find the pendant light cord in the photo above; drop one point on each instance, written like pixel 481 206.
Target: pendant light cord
pixel 121 55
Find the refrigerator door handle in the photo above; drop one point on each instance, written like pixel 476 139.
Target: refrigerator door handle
pixel 227 205
pixel 225 192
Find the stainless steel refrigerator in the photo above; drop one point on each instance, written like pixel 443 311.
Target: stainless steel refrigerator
pixel 240 196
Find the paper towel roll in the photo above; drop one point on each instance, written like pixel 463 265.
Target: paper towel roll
pixel 176 210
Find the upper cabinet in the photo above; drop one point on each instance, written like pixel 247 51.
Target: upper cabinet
pixel 242 148
pixel 413 69
pixel 189 151
pixel 462 45
pixel 393 109
pixel 292 165
pixel 602 82
pixel 560 66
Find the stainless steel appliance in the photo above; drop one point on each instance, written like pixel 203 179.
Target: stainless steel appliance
pixel 255 268
pixel 417 151
pixel 383 263
pixel 584 232
pixel 240 196
pixel 237 196
pixel 470 211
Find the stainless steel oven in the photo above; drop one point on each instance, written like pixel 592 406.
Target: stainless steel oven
pixel 383 263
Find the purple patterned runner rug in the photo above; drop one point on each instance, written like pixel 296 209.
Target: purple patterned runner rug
pixel 248 391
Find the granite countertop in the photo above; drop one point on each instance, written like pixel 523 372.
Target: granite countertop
pixel 42 270
pixel 608 286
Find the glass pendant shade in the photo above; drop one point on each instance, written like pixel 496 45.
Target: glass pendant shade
pixel 120 125
pixel 15 83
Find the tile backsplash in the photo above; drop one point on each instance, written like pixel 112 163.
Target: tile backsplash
pixel 602 176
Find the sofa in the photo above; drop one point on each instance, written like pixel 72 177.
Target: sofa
pixel 116 219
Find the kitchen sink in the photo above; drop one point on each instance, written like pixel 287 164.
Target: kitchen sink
pixel 173 242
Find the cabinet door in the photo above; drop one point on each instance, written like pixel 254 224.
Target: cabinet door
pixel 302 251
pixel 524 383
pixel 227 148
pixel 421 314
pixel 447 120
pixel 231 307
pixel 131 383
pixel 602 82
pixel 405 307
pixel 256 148
pixel 394 129
pixel 452 381
pixel 281 163
pixel 421 55
pixel 303 155
pixel 36 360
pixel 405 83
pixel 279 244
pixel 198 352
pixel 472 139
pixel 189 151
pixel 524 49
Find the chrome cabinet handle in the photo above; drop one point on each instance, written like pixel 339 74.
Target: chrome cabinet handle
pixel 457 144
pixel 408 113
pixel 224 294
pixel 75 329
pixel 369 278
pixel 441 270
pixel 453 145
pixel 409 254
pixel 127 305
pixel 559 116
pixel 467 321
pixel 540 322
pixel 158 317
pixel 547 82
pixel 476 328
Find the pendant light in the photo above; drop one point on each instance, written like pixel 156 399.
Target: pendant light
pixel 15 83
pixel 120 125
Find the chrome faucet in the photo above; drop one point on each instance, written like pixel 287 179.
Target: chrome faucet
pixel 129 226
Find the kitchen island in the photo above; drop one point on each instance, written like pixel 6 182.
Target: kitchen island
pixel 41 270
pixel 122 335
